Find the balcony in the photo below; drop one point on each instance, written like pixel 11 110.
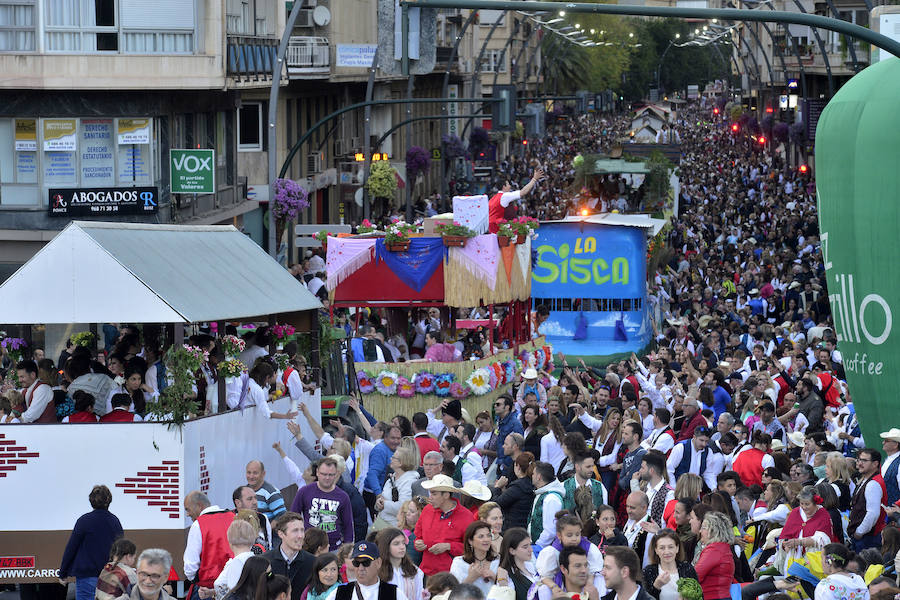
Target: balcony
pixel 251 58
pixel 308 57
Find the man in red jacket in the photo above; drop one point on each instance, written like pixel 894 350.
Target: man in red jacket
pixel 693 418
pixel 207 548
pixel 440 528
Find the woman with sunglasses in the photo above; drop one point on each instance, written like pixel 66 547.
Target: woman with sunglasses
pixel 396 566
pixel 324 578
pixel 478 565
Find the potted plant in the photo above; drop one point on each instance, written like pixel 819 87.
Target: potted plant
pixel 454 234
pixel 396 237
pixel 523 227
pixel 505 234
pixel 322 236
pixel 365 227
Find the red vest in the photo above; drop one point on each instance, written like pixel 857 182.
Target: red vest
pixel 49 414
pixel 497 212
pixel 215 550
pixel 83 416
pixel 284 379
pixel 783 389
pixel 748 465
pixel 117 416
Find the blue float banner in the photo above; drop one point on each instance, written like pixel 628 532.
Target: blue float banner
pixel 585 260
pixel 415 266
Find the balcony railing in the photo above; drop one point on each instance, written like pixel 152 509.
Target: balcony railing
pixel 251 58
pixel 308 56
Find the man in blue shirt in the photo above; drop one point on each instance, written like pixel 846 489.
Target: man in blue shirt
pixel 506 423
pixel 379 463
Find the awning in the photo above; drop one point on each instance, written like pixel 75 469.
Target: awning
pixel 95 272
pixel 620 219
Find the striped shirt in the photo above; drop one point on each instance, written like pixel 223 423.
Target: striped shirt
pixel 269 501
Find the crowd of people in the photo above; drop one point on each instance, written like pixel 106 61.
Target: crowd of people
pixel 728 461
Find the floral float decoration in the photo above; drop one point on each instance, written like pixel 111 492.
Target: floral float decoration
pixel 442 384
pixel 405 388
pixel 424 382
pixel 232 367
pixel 480 381
pixel 232 345
pixel 458 391
pixel 365 382
pixel 386 383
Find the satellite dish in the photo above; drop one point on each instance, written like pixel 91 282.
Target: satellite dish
pixel 321 16
pixel 358 197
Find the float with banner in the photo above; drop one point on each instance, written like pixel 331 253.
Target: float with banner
pixel 591 272
pixel 368 274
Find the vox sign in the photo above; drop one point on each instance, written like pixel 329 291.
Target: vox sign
pixel 193 171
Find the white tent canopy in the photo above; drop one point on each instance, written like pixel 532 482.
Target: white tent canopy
pixel 95 272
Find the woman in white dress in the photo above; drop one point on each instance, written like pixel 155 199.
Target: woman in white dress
pixel 478 564
pixel 397 567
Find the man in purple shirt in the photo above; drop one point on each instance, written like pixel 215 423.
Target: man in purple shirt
pixel 326 506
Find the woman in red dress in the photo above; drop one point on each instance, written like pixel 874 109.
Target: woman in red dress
pixel 808 527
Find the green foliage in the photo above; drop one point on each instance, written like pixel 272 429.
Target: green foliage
pixel 178 402
pixel 84 338
pixel 381 183
pixel 656 184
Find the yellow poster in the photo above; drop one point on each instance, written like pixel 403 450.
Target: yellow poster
pixel 133 131
pixel 60 135
pixel 26 135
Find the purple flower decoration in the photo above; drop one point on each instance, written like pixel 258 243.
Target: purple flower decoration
pixel 405 388
pixel 417 161
pixel 290 199
pixel 365 381
pixel 424 382
pixel 14 343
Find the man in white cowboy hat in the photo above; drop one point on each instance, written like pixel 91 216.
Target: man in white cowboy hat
pixel 530 384
pixel 890 468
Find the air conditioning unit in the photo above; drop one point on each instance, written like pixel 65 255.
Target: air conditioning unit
pixel 314 163
pixel 355 143
pixel 305 18
pixel 340 147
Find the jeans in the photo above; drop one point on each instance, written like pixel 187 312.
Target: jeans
pixel 867 541
pixel 85 588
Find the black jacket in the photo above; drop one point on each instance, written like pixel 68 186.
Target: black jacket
pixel 641 595
pixel 651 572
pixel 299 571
pixel 516 501
pixel 358 506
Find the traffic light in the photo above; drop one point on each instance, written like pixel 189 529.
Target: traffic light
pixel 524 142
pixel 503 113
pixel 803 169
pixel 716 110
pixel 735 128
pixel 762 140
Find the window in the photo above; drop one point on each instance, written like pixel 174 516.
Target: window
pixel 17 22
pixel 489 17
pixel 129 26
pixel 494 61
pixel 250 127
pixel 250 17
pixel 39 154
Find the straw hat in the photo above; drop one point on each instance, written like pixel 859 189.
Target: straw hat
pixel 776 446
pixel 465 415
pixel 474 489
pixel 440 483
pixel 893 434
pixel 529 373
pixel 797 438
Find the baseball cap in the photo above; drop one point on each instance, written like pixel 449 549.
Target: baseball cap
pixel 365 550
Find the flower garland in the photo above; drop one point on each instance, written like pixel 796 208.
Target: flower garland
pixel 481 381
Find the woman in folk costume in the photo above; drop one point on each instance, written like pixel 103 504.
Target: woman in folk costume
pixel 808 527
pixel 500 201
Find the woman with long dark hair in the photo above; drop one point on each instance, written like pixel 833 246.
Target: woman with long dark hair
pixel 478 564
pixel 273 587
pixel 324 578
pixel 667 566
pixel 516 562
pixel 534 425
pixel 396 565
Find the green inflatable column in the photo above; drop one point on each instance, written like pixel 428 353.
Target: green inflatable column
pixel 858 185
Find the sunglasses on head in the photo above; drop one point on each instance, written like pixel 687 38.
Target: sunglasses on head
pixel 362 563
